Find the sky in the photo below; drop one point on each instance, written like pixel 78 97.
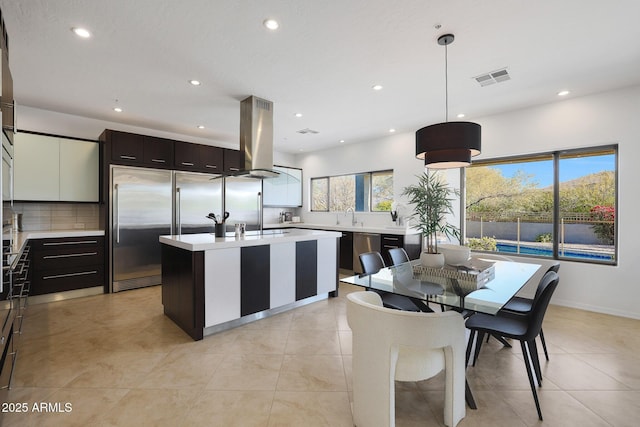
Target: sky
pixel 570 168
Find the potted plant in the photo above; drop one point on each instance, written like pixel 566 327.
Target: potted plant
pixel 432 200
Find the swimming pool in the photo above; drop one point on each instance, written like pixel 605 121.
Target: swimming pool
pixel 528 250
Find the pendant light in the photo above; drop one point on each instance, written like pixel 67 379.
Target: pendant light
pixel 449 144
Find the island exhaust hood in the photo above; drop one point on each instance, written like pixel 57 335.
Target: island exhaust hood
pixel 256 139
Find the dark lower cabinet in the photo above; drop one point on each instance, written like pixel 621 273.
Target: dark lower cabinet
pixel 64 264
pixel 306 269
pixel 410 243
pixel 254 279
pixel 346 250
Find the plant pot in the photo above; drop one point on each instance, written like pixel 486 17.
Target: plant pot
pixel 432 260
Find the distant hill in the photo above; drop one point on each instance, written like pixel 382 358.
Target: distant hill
pixel 583 181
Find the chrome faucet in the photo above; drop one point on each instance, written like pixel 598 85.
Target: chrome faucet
pixel 354 221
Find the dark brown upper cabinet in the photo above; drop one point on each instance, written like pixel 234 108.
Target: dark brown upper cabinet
pixel 232 160
pixel 212 159
pixel 198 157
pixel 158 152
pixel 126 148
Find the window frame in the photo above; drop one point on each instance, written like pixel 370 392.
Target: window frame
pixel 556 157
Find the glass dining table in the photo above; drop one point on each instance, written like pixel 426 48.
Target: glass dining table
pixel 496 282
pixel 448 288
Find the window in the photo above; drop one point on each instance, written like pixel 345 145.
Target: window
pixel 320 194
pixel 560 205
pixel 363 192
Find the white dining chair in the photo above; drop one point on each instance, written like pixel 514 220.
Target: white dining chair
pixel 392 345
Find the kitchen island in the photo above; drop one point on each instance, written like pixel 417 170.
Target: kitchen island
pixel 210 284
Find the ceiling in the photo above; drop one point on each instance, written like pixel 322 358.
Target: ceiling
pixel 322 62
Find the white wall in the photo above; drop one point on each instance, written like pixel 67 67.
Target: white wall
pixel 605 118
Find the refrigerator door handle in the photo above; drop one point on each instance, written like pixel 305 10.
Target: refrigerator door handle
pixel 179 217
pixel 117 212
pixel 259 211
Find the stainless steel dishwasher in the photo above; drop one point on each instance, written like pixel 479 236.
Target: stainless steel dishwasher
pixel 364 242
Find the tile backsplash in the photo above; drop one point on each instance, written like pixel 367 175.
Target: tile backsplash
pixel 58 216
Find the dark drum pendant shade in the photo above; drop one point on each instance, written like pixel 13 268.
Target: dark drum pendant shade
pixel 447 159
pixel 448 145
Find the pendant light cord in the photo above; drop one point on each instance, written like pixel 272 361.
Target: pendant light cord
pixel 446 84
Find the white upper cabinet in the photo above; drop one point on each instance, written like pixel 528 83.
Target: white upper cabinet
pixel 36 171
pixel 55 169
pixel 79 162
pixel 284 190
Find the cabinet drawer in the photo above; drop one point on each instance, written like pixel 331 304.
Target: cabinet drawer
pixel 66 279
pixel 77 243
pixel 68 257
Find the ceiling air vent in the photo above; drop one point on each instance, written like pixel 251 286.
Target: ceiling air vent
pixel 307 130
pixel 496 76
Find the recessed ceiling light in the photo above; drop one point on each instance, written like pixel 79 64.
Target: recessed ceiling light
pixel 341 141
pixel 392 130
pixel 81 32
pixel 271 24
pixel 200 127
pixel 461 115
pixel 301 149
pixel 195 82
pixel 298 114
pixel 376 87
pixel 117 109
pixel 563 93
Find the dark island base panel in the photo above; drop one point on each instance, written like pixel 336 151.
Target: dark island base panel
pixel 183 282
pixel 183 289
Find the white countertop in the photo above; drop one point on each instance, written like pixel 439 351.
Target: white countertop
pixel 391 229
pixel 208 241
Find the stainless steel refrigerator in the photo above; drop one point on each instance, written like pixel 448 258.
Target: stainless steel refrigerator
pixel 148 203
pixel 242 199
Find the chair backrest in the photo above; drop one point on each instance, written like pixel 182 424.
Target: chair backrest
pixel 545 291
pixel 398 256
pixel 371 262
pixel 555 267
pixel 400 345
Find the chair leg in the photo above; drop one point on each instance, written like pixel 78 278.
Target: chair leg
pixel 478 346
pixel 472 335
pixel 525 355
pixel 501 339
pixel 544 345
pixel 533 354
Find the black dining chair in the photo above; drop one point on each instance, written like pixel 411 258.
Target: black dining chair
pixel 522 328
pixel 522 306
pixel 371 263
pixel 398 256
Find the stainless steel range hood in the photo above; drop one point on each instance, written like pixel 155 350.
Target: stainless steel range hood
pixel 256 138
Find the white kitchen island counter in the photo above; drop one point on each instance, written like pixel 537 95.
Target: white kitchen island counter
pixel 210 284
pixel 207 241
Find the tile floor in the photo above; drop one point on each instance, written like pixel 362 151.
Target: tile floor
pixel 119 362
